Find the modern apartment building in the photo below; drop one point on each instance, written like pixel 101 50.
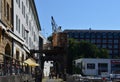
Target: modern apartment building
pixel 108 39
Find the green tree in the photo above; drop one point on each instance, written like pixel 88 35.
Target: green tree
pixel 103 53
pixel 84 49
pixel 87 50
pixel 49 38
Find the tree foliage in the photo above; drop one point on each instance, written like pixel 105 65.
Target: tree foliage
pixel 50 38
pixel 84 49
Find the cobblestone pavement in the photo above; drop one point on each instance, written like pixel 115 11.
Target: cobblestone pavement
pixel 51 80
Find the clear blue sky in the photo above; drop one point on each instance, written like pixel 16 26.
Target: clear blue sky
pixel 79 14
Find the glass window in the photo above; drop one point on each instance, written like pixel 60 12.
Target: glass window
pixel 24 10
pixel 115 41
pixel 27 19
pixel 104 35
pixel 104 41
pixel 16 1
pixel 115 35
pixel 116 51
pixel 98 41
pixel 110 46
pixel 30 28
pixel 17 22
pixel 27 37
pixel 19 3
pixel 22 7
pixel 110 35
pixel 22 31
pixel 27 3
pixel 93 41
pixel 8 11
pixel 92 35
pixel 90 66
pixel 115 46
pixel 110 41
pixel 87 35
pixel 81 35
pixel 110 51
pixel 76 35
pixel 98 45
pixel 98 35
pixel 104 46
pixel 19 26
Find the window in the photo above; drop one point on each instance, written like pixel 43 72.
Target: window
pixel 104 41
pixel 27 3
pixel 23 31
pixel 0 35
pixel 26 37
pixel 19 26
pixel 29 41
pixel 104 46
pixel 93 41
pixel 24 11
pixel 116 51
pixel 34 36
pixel 110 41
pixel 87 35
pixel 17 55
pixel 98 45
pixel 27 19
pixel 115 46
pixel 115 41
pixel 8 11
pixel 110 35
pixel 5 8
pixel 22 57
pixel 115 35
pixel 16 1
pixel 110 52
pixel 104 35
pixel 22 7
pixel 30 25
pixel 109 46
pixel 90 66
pixel 19 3
pixel 81 35
pixel 93 35
pixel 98 41
pixel 102 67
pixel 17 22
pixel 76 35
pixel 98 35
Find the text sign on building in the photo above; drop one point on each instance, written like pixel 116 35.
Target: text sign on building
pixel 115 61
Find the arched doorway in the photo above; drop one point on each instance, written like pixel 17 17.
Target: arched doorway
pixel 7 60
pixel 7 52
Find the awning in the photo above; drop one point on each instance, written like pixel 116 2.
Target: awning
pixel 31 62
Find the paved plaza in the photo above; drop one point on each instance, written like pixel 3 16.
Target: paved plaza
pixel 46 79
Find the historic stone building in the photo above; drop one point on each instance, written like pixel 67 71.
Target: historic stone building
pixel 6 23
pixel 19 33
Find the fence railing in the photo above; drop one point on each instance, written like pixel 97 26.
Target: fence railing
pixel 12 66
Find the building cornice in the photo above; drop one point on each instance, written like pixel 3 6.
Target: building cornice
pixel 32 3
pixel 82 30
